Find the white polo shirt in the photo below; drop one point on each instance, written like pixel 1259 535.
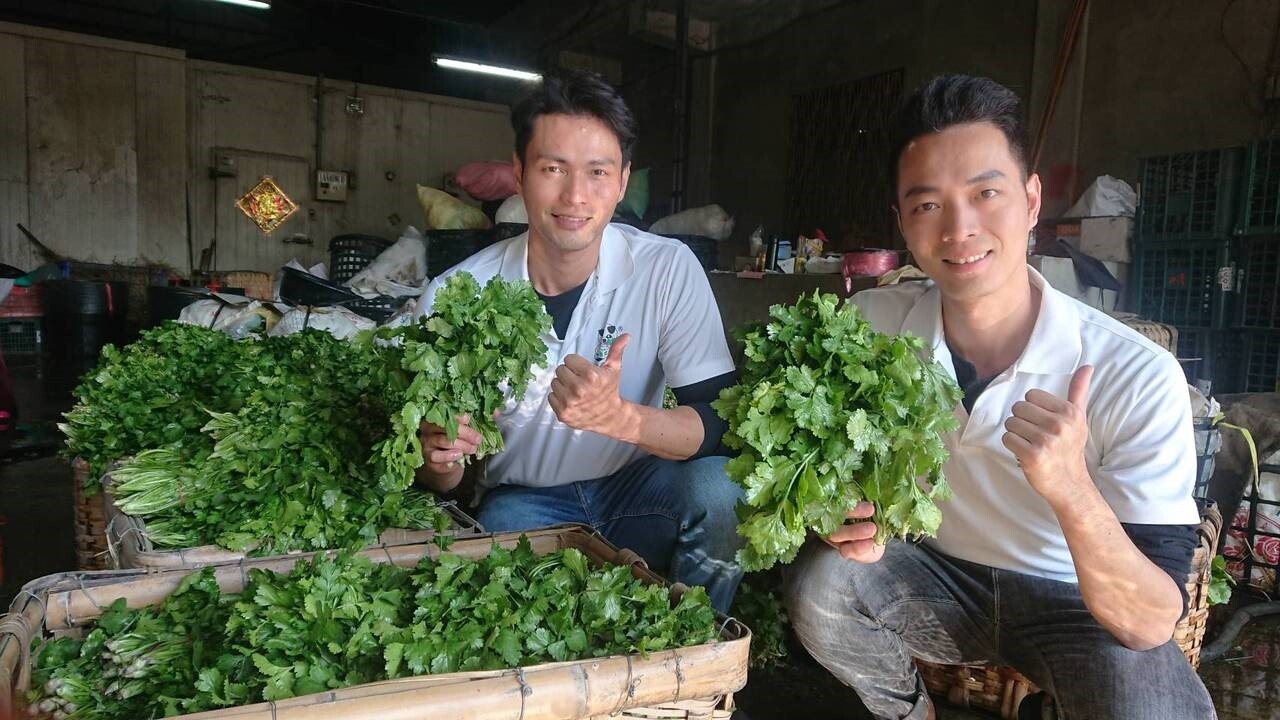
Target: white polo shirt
pixel 649 286
pixel 1140 451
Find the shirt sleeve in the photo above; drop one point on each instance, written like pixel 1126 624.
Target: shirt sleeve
pixel 699 397
pixel 1146 463
pixel 692 347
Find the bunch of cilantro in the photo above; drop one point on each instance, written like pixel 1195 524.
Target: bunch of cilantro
pixel 153 393
pixel 828 412
pixel 290 468
pixel 477 346
pixel 342 621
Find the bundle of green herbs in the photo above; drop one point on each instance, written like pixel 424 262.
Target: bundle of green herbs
pixel 828 412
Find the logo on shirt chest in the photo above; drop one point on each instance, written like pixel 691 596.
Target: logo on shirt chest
pixel 607 335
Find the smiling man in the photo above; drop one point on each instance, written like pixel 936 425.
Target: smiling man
pixel 1066 546
pixel 633 314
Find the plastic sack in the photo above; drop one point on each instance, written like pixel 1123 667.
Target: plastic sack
pixel 397 271
pixel 1106 197
pixel 708 221
pixel 446 212
pixel 488 180
pixel 232 318
pixel 636 199
pixel 337 321
pixel 512 210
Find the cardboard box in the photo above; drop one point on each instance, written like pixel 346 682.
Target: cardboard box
pixel 1061 275
pixel 1106 238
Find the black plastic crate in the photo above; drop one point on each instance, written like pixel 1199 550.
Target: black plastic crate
pixel 1210 359
pixel 1260 208
pixel 349 254
pixel 1188 284
pixel 1259 293
pixel 1189 196
pixel 1260 362
pixel 21 336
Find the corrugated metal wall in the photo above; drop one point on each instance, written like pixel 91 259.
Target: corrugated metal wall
pixel 107 148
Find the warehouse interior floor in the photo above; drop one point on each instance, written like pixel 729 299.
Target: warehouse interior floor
pixel 36 538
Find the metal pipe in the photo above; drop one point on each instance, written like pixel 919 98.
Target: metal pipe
pixel 1059 76
pixel 680 144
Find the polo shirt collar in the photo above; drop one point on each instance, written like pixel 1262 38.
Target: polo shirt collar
pixel 615 265
pixel 1053 348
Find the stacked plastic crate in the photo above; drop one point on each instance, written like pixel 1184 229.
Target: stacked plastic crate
pixel 1258 256
pixel 1185 272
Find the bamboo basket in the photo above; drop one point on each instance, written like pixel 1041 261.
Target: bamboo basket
pixel 1000 689
pixel 129 547
pixel 1166 336
pixel 90 521
pixel 684 683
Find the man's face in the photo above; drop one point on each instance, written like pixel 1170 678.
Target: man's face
pixel 572 178
pixel 965 210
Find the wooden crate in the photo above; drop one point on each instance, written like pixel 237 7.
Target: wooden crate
pixel 1000 689
pixel 129 547
pixel 691 682
pixel 90 521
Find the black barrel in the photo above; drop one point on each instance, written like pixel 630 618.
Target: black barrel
pixel 80 316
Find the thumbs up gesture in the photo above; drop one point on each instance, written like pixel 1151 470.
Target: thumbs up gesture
pixel 586 397
pixel 1047 435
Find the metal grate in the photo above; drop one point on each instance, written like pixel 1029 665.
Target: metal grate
pixel 1260 283
pixel 1189 195
pixel 1261 209
pixel 836 167
pixel 1183 283
pixel 20 336
pixel 1262 362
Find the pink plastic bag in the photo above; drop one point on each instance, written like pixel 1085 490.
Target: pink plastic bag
pixel 488 180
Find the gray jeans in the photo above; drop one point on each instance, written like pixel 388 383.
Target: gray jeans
pixel 864 623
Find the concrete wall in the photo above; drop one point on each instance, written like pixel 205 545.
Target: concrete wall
pixel 1159 77
pixel 754 83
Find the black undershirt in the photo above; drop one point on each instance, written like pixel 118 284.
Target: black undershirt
pixel 1168 547
pixel 697 396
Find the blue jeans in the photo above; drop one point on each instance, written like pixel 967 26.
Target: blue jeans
pixel 865 623
pixel 678 516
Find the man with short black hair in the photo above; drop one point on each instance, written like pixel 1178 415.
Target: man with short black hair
pixel 591 442
pixel 1065 548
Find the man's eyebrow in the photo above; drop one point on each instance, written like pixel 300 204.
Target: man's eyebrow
pixel 919 190
pixel 983 177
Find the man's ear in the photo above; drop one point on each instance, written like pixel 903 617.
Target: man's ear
pixel 517 170
pixel 897 220
pixel 1033 200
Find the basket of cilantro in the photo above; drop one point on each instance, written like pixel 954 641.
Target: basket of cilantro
pixel 828 412
pixel 553 624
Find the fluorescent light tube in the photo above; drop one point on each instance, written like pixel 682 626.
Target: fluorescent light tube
pixel 486 69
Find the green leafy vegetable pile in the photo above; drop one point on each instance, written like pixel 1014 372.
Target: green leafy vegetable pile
pixel 475 347
pixel 154 393
pixel 290 469
pixel 829 412
pixel 344 621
